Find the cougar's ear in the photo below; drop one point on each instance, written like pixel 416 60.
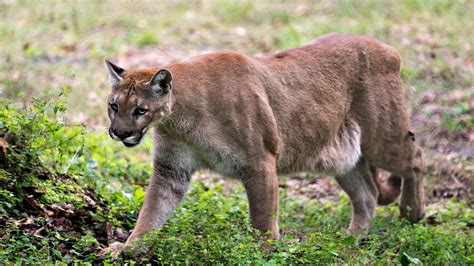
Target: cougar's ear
pixel 161 81
pixel 115 72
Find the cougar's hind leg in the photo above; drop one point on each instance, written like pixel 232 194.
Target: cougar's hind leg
pixel 362 191
pixel 412 203
pixel 406 162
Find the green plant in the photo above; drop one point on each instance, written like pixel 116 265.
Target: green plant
pixel 50 211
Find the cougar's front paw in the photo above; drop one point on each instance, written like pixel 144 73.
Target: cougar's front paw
pixel 113 249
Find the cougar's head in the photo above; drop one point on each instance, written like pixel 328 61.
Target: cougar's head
pixel 139 99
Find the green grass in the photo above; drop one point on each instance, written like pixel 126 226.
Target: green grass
pixel 211 226
pixel 53 46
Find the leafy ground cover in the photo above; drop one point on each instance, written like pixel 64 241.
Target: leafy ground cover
pixel 66 190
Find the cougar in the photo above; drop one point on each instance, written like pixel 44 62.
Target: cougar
pixel 335 104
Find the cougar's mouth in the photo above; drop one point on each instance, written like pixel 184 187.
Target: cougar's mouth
pixel 133 141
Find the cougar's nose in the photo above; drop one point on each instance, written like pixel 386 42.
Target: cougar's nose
pixel 121 134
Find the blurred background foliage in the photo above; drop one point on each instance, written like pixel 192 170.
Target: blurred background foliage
pixel 49 44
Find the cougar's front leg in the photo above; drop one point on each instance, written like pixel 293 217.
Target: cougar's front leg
pixel 262 192
pixel 166 189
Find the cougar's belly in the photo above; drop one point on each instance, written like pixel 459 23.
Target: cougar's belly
pixel 337 156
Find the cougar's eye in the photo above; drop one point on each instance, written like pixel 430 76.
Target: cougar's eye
pixel 141 111
pixel 114 106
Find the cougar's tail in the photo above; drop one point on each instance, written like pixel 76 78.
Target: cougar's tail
pixel 388 190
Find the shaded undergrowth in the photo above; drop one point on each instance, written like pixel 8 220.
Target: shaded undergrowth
pixel 55 202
